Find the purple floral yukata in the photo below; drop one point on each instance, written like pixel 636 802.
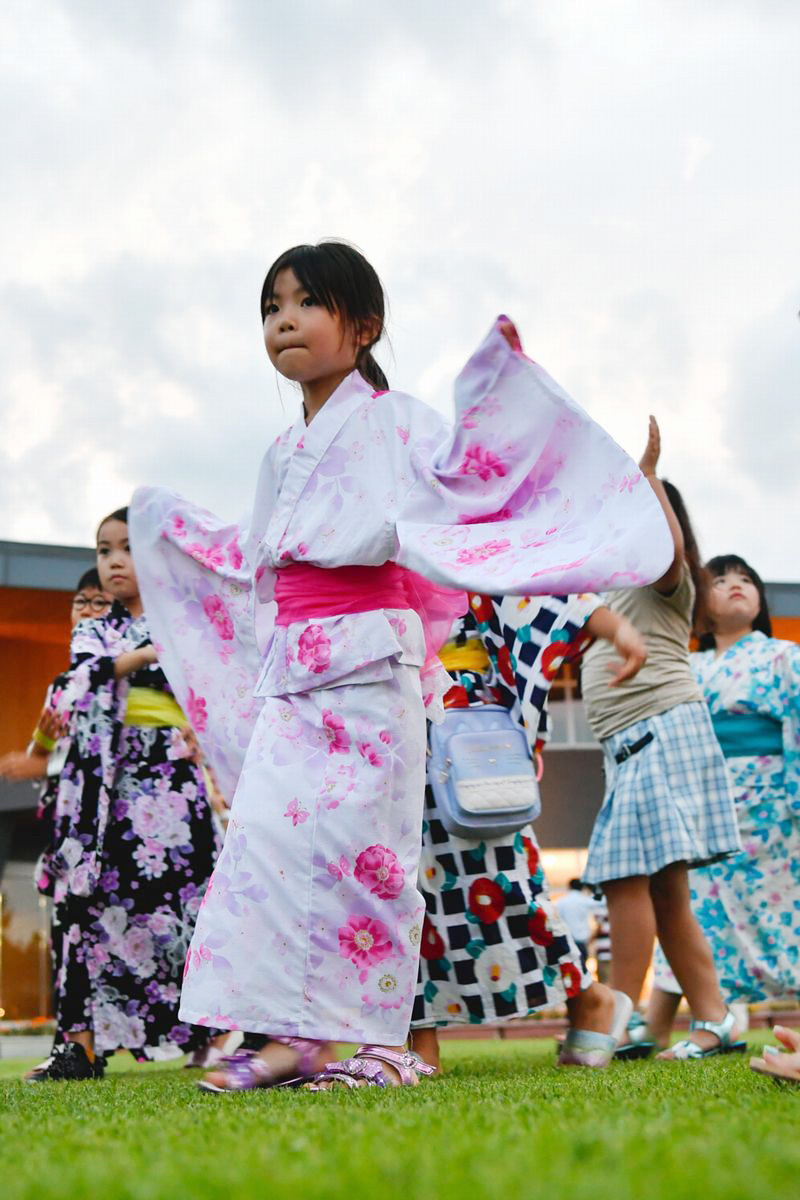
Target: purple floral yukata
pixel 134 845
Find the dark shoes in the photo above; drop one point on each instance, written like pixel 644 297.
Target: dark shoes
pixel 68 1061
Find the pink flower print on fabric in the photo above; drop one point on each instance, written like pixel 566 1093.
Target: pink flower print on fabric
pixel 402 433
pixel 338 871
pixel 503 514
pixel 628 482
pixel 179 527
pixel 234 554
pixel 335 732
pixel 314 649
pixel 486 407
pixel 217 612
pixel 378 869
pixel 483 552
pixel 365 941
pixel 480 461
pixel 196 712
pixel 367 751
pixel 296 811
pixel 197 957
pixel 212 556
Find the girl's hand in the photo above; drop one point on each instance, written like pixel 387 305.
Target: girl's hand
pixel 17 766
pixel 649 460
pixel 509 332
pixel 51 724
pixel 149 655
pixel 629 644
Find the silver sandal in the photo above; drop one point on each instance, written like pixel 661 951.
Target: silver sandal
pixel 689 1051
pixel 585 1048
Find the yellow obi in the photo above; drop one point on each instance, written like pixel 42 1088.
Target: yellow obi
pixel 148 707
pixel 470 657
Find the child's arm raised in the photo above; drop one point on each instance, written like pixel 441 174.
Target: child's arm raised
pixel 648 464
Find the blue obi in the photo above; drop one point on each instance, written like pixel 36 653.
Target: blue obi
pixel 747 735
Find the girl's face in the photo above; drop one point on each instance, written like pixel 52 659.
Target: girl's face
pixel 88 602
pixel 733 601
pixel 115 563
pixel 304 341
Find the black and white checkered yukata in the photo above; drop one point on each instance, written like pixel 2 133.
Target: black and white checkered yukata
pixel 493 945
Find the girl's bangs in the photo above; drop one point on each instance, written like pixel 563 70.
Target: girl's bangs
pixel 312 271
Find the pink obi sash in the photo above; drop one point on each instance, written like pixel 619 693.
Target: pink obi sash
pixel 304 592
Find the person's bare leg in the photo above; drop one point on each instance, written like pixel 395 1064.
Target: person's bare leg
pixel 425 1043
pixel 592 1009
pixel 686 949
pixel 281 1060
pixel 661 1015
pixel 633 930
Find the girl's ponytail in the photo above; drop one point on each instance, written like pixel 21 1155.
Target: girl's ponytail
pixel 369 369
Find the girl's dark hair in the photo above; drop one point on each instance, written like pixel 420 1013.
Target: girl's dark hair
pixel 89 579
pixel 732 562
pixel 119 514
pixel 692 554
pixel 341 279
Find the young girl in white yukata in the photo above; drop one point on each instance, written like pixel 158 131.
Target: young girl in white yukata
pixel 303 649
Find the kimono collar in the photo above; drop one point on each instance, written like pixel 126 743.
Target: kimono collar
pixel 308 445
pixel 330 418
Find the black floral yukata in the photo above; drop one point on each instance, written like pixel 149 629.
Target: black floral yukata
pixel 493 945
pixel 133 850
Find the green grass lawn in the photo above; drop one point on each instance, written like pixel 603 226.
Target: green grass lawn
pixel 501 1123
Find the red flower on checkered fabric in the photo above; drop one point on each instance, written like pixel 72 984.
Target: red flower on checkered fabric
pixel 487 901
pixel 533 855
pixel 553 657
pixel 457 697
pixel 538 929
pixel 482 607
pixel 432 946
pixel 576 647
pixel 505 667
pixel 572 978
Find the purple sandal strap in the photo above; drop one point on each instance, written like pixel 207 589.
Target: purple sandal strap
pixel 406 1063
pixel 246 1070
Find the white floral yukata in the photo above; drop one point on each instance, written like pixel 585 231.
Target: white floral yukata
pixel 312 922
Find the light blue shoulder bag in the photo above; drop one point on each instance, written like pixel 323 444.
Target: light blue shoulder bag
pixel 481 773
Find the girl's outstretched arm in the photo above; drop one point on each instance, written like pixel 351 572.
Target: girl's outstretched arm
pixel 624 637
pixel 648 463
pixel 134 660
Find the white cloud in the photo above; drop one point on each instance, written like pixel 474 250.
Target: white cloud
pixel 621 178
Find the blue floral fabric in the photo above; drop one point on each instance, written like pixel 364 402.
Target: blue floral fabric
pixel 749 905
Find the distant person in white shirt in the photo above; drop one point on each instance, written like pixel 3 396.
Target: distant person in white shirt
pixel 576 908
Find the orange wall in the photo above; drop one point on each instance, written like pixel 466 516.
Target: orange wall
pixel 34 647
pixel 786 627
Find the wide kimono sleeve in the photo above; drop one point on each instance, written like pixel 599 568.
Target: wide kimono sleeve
pixel 528 495
pixel 196 581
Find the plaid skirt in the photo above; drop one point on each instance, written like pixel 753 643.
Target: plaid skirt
pixel 670 802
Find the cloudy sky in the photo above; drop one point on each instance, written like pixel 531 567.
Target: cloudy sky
pixel 623 178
